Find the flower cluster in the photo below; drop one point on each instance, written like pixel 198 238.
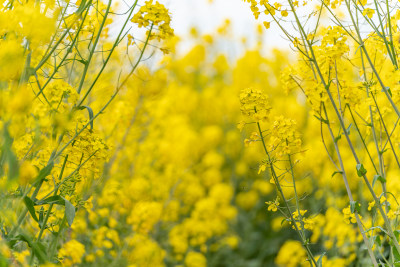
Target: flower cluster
pixel 254 104
pixel 284 139
pixel 155 15
pixel 105 162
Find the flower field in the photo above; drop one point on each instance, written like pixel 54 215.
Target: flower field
pixel 120 148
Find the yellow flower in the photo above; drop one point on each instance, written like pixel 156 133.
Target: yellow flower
pixel 71 253
pixel 296 42
pixel 262 168
pixel 349 217
pixel 254 104
pixel 273 205
pixel 291 254
pixel 368 12
pixel 195 259
pixel 157 15
pixel 371 205
pixel 247 200
pixel 27 172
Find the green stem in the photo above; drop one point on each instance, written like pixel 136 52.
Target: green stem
pixel 273 173
pixel 94 45
pixel 43 227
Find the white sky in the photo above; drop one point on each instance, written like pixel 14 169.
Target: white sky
pixel 208 16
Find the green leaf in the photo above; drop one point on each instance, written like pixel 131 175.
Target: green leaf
pixel 8 156
pixel 319 262
pixel 395 252
pixel 30 206
pixel 336 172
pixel 397 233
pixel 37 248
pixel 388 90
pixel 52 200
pixel 355 206
pixel 41 213
pixel 284 220
pixel 378 178
pixel 361 171
pixel 352 206
pixel 348 129
pixel 84 62
pixel 377 240
pixel 44 172
pixel 322 120
pixel 90 111
pixel 81 8
pixel 383 151
pixel 337 138
pixel 69 212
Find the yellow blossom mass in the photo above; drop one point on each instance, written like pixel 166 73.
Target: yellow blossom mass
pixel 120 148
